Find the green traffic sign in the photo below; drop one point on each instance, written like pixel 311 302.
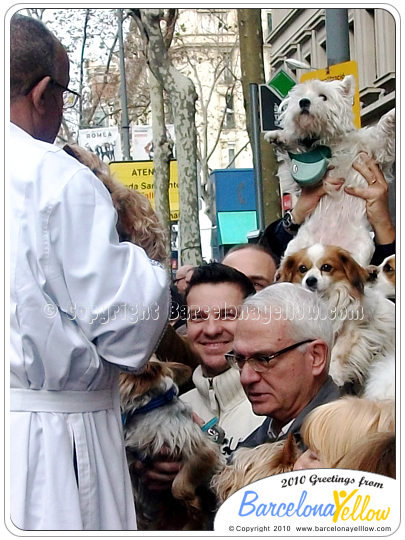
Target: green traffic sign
pixel 282 83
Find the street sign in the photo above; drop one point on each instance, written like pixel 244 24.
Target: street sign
pixel 268 108
pixel 138 175
pixel 339 71
pixel 281 83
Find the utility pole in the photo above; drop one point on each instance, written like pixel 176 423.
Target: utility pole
pixel 123 92
pixel 337 36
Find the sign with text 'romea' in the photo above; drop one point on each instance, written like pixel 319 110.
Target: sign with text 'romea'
pixel 138 175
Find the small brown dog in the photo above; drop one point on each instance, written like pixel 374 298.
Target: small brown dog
pixel 251 464
pixel 137 221
pixel 155 418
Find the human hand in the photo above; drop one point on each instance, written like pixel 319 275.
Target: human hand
pixel 310 196
pixel 158 474
pixel 197 419
pixel 375 195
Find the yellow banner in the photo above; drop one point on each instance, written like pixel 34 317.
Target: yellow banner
pixel 138 175
pixel 339 71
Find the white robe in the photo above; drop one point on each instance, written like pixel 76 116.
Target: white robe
pixel 83 305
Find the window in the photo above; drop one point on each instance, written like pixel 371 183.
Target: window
pixel 229 121
pixel 231 156
pixel 227 75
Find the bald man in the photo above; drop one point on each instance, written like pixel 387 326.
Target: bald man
pixel 255 262
pixel 183 276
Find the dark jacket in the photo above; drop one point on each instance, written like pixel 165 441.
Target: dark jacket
pixel 328 392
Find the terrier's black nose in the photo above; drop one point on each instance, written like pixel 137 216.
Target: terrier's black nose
pixel 311 283
pixel 304 103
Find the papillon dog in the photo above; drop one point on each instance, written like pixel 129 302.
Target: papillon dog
pixel 155 419
pixel 364 320
pixel 382 277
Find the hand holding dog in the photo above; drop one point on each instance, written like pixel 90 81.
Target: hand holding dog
pixel 158 475
pixel 310 196
pixel 376 196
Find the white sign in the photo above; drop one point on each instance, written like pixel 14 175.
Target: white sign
pixel 315 502
pixel 142 142
pixel 105 142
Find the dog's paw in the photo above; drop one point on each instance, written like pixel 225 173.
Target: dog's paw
pixel 275 137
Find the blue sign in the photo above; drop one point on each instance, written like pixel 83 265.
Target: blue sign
pixel 234 190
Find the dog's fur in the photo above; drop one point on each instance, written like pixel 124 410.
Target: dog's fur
pixel 382 277
pixel 137 221
pixel 170 426
pixel 364 319
pixel 320 113
pixel 251 464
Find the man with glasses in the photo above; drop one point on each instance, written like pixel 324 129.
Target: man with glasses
pixel 281 348
pixel 78 298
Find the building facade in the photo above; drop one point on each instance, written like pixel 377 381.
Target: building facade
pixel 301 34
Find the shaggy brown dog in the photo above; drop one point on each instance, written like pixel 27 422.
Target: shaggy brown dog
pixel 155 418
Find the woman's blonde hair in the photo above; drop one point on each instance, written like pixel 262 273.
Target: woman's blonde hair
pixel 333 429
pixel 374 453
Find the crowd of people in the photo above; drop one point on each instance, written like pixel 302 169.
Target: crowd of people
pixel 77 294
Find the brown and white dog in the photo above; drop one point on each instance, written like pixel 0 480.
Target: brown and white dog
pixel 364 319
pixel 155 419
pixel 251 464
pixel 382 277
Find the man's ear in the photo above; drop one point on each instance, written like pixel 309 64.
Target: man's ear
pixel 38 94
pixel 318 350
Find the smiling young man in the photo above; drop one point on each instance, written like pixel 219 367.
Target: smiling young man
pixel 214 297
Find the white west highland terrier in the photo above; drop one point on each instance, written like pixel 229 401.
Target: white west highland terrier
pixel 320 113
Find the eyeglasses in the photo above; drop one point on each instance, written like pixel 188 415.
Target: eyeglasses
pixel 259 362
pixel 70 97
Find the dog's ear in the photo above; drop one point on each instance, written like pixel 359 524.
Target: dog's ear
pixel 355 274
pixel 348 85
pixel 372 273
pixel 290 452
pixel 180 373
pixel 135 385
pixel 286 270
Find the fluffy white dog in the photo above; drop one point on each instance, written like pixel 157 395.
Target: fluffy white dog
pixel 319 113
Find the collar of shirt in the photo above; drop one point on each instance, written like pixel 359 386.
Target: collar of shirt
pixel 276 434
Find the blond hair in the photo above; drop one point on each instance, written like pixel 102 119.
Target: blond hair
pixel 374 453
pixel 334 428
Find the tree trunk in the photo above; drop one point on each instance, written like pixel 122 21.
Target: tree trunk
pixel 251 46
pixel 182 95
pixel 161 157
